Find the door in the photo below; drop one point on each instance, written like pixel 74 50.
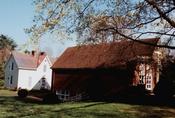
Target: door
pixel 43 83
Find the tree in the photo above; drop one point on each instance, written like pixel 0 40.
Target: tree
pixel 96 20
pixel 6 45
pixel 7 42
pixel 166 85
pixel 1 73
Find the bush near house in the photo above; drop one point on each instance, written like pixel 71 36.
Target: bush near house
pixel 1 75
pixel 1 83
pixel 166 85
pixel 51 98
pixel 22 93
pixel 1 71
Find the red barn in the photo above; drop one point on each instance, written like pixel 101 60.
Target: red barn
pixel 103 70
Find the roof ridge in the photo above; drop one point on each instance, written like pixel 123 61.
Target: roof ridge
pixel 26 60
pixel 105 55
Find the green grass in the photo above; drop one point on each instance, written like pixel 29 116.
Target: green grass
pixel 13 107
pixel 6 93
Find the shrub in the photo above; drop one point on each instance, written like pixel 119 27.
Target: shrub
pixel 1 83
pixel 22 93
pixel 166 85
pixel 50 98
pixel 164 88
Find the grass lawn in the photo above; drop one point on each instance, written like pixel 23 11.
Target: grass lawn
pixel 13 107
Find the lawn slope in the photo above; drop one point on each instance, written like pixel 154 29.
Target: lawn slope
pixel 13 107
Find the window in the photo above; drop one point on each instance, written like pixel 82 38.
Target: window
pixel 43 83
pixel 145 74
pixel 148 86
pixel 12 66
pixel 45 68
pixel 142 77
pixel 11 80
pixel 62 94
pixel 149 80
pixel 142 73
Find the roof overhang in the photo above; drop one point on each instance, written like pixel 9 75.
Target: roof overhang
pixel 24 68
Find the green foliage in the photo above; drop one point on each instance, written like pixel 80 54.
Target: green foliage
pixel 27 52
pixel 1 71
pixel 104 20
pixel 7 42
pixel 1 83
pixel 166 84
pixel 22 93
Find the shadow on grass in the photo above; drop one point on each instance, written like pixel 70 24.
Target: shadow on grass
pixel 10 100
pixel 29 99
pixel 80 109
pixel 143 107
pixel 4 100
pixel 155 112
pixel 88 110
pixel 147 100
pixel 77 112
pixel 136 100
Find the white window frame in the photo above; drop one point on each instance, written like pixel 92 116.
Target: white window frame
pixel 145 75
pixel 63 94
pixel 142 73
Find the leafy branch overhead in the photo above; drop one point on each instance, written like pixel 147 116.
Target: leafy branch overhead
pixel 105 20
pixel 7 42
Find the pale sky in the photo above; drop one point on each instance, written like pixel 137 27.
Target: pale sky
pixel 15 15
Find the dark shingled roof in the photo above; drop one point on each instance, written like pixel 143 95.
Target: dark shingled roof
pixel 103 55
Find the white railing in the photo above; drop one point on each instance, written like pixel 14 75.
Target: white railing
pixel 67 98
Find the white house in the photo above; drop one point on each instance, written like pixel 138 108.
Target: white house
pixel 28 71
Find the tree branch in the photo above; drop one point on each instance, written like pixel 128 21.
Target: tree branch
pixel 80 14
pixel 135 39
pixel 86 6
pixel 146 43
pixel 161 13
pixel 161 33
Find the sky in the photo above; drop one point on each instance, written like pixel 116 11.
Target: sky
pixel 15 16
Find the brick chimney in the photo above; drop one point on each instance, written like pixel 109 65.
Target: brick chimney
pixel 33 53
pixel 42 53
